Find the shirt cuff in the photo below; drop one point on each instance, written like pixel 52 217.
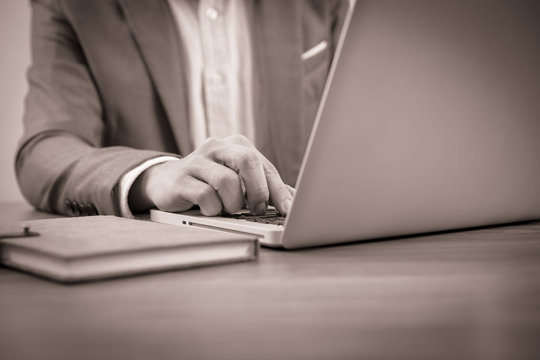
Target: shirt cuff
pixel 129 178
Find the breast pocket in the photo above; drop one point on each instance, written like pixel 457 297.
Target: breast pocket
pixel 316 57
pixel 315 64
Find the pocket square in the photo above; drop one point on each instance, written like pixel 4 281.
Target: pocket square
pixel 315 50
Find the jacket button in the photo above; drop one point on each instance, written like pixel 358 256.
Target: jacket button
pixel 83 210
pixel 69 207
pixel 88 210
pixel 92 210
pixel 76 208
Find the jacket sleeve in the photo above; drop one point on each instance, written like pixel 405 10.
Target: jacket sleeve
pixel 61 163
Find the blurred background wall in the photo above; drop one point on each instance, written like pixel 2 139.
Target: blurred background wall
pixel 14 60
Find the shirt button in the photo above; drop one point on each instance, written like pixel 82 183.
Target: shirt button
pixel 215 78
pixel 212 13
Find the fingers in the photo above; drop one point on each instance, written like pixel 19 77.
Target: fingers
pixel 224 180
pixel 280 196
pixel 292 190
pixel 260 178
pixel 240 140
pixel 199 193
pixel 249 166
pixel 170 188
pixel 216 176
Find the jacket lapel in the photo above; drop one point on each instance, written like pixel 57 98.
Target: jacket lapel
pixel 155 32
pixel 277 45
pixel 277 52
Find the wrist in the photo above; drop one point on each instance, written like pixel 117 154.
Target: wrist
pixel 138 199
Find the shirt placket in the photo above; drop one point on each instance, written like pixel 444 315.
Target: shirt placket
pixel 214 76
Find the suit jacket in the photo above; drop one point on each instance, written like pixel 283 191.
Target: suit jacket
pixel 107 92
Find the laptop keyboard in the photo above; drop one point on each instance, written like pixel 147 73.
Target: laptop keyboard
pixel 272 216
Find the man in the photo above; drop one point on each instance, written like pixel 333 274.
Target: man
pixel 141 103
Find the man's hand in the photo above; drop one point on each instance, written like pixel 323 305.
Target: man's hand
pixel 219 176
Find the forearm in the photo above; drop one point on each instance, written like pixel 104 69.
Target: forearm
pixel 55 172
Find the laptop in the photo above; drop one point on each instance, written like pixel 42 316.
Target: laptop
pixel 430 121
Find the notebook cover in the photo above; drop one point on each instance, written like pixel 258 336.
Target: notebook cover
pixel 69 239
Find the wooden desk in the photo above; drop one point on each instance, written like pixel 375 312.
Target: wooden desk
pixel 460 295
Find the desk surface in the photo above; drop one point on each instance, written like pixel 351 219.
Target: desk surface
pixel 459 295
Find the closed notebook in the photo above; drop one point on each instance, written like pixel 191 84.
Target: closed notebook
pixel 96 247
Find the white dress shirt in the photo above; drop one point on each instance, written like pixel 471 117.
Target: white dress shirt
pixel 215 37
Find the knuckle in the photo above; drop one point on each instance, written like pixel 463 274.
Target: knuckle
pixel 258 194
pixel 227 181
pixel 209 202
pixel 181 177
pixel 206 194
pixel 209 143
pixel 248 159
pixel 194 160
pixel 193 157
pixel 270 169
pixel 239 139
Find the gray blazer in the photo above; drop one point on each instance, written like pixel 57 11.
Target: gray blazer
pixel 107 92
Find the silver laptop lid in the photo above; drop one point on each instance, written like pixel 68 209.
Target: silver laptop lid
pixel 431 121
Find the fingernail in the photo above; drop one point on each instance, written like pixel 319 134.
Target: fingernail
pixel 287 205
pixel 260 209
